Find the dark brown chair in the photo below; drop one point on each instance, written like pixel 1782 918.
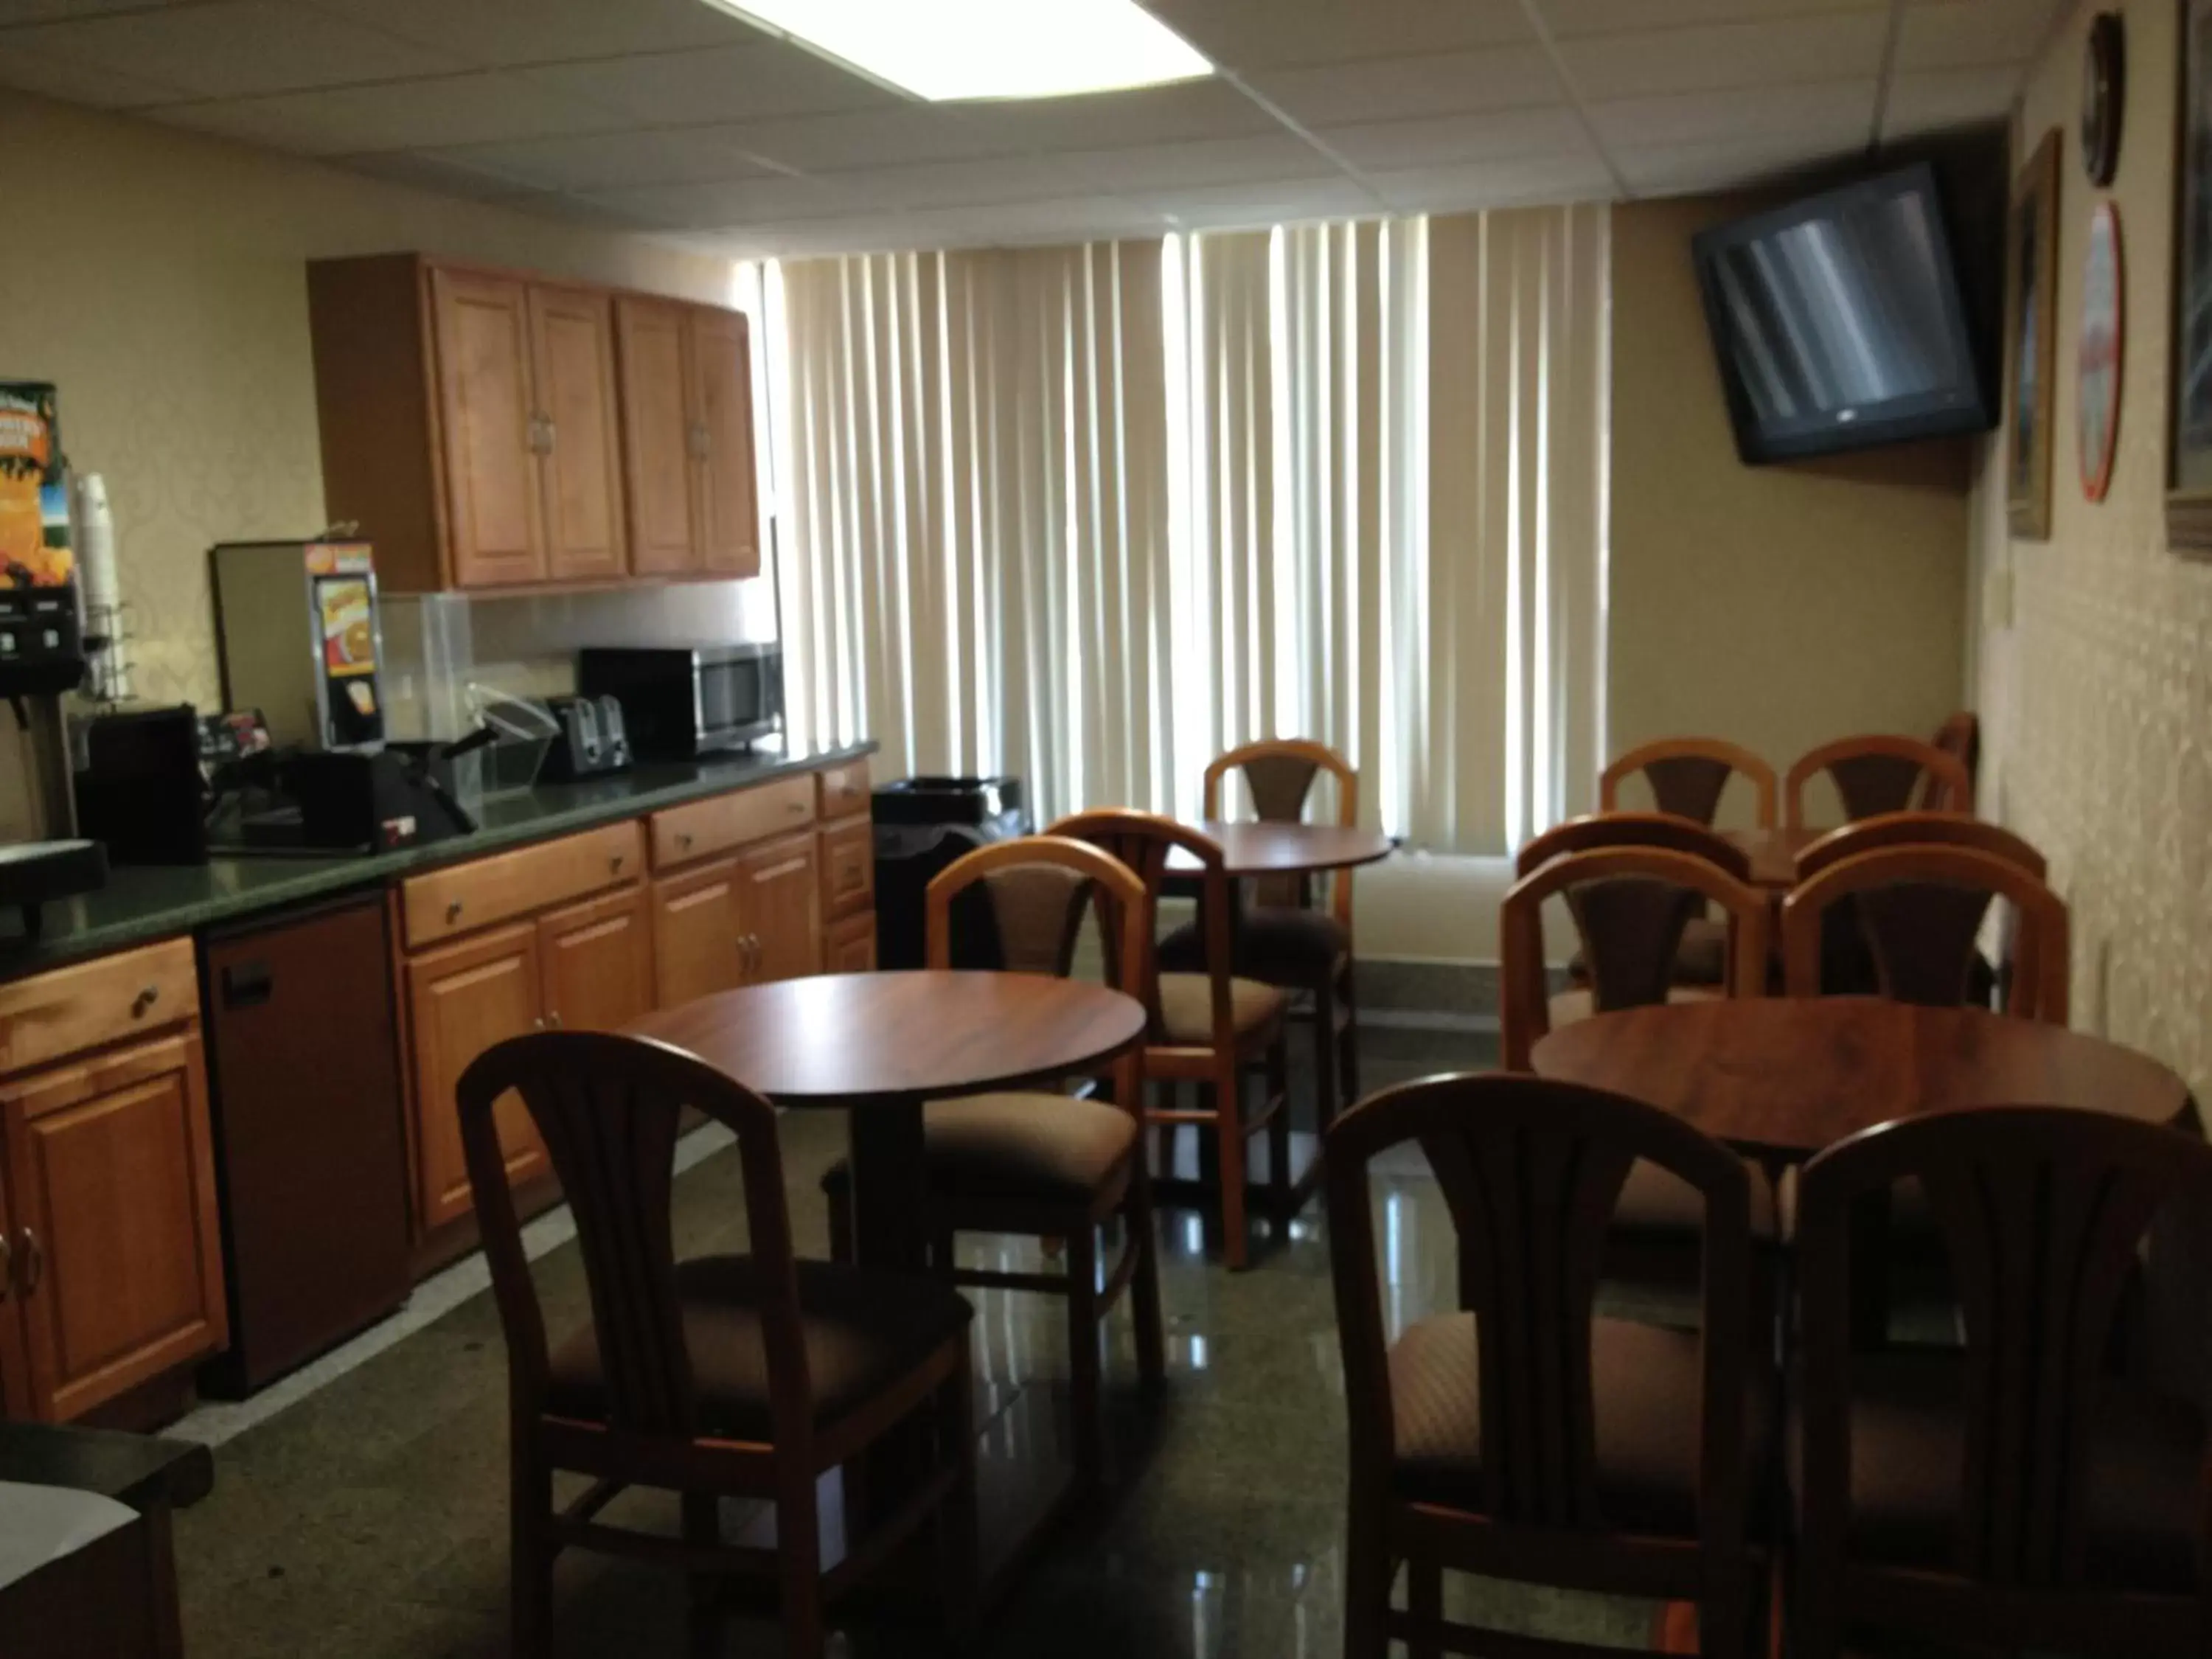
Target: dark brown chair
pixel 1920 909
pixel 1918 829
pixel 1961 737
pixel 746 1374
pixel 1702 957
pixel 2019 1495
pixel 1282 939
pixel 1048 1166
pixel 1875 773
pixel 1687 775
pixel 1523 1437
pixel 1629 905
pixel 1208 1028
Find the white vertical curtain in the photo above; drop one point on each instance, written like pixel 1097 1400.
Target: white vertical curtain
pixel 1094 514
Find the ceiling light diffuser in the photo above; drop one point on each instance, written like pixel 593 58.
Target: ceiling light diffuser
pixel 943 50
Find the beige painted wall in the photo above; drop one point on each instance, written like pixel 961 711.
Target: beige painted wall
pixel 1778 606
pixel 2096 691
pixel 159 278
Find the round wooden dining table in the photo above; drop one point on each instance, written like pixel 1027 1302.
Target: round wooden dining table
pixel 1250 848
pixel 1781 1077
pixel 1773 853
pixel 879 1045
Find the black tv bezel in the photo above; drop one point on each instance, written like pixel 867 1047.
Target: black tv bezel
pixel 1753 444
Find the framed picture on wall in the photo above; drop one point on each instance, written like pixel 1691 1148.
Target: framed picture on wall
pixel 2031 340
pixel 2189 388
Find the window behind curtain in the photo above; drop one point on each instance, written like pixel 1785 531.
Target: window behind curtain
pixel 1093 514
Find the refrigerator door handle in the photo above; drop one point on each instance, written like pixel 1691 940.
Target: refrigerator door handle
pixel 247 984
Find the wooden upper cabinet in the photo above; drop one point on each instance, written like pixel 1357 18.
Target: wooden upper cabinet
pixel 660 444
pixel 494 518
pixel 572 337
pixel 722 360
pixel 110 1190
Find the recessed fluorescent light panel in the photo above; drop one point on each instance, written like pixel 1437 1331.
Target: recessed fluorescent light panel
pixel 943 50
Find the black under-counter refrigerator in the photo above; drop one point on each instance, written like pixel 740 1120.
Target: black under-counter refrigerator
pixel 311 1154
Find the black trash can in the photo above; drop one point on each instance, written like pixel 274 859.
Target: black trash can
pixel 922 825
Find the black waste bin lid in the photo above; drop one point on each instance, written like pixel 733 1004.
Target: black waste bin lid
pixel 929 799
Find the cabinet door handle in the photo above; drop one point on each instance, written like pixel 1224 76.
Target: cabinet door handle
pixel 552 434
pixel 33 1263
pixel 552 1019
pixel 144 1001
pixel 538 1024
pixel 615 864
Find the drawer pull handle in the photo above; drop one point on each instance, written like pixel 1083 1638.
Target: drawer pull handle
pixel 683 840
pixel 144 1001
pixel 794 808
pixel 615 864
pixel 33 1263
pixel 453 911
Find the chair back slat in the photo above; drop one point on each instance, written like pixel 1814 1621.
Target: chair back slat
pixel 1961 737
pixel 1631 931
pixel 609 1110
pixel 1687 777
pixel 1279 776
pixel 1038 911
pixel 1531 1171
pixel 1145 842
pixel 2043 1212
pixel 1875 773
pixel 1923 936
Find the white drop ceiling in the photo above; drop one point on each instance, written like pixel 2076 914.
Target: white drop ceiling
pixel 679 120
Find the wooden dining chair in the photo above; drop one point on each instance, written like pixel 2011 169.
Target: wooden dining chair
pixel 1961 737
pixel 1522 1437
pixel 1686 776
pixel 1874 773
pixel 1048 1166
pixel 1283 939
pixel 749 1376
pixel 1921 910
pixel 1701 958
pixel 1916 827
pixel 2019 1495
pixel 1207 1028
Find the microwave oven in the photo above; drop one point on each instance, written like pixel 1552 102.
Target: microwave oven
pixel 687 702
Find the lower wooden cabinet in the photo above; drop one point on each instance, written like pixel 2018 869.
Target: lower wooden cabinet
pixel 597 963
pixel 849 947
pixel 462 999
pixel 780 908
pixel 114 1241
pixel 698 947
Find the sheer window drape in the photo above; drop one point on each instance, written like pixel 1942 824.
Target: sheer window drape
pixel 1094 514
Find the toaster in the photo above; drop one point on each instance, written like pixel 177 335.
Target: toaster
pixel 590 740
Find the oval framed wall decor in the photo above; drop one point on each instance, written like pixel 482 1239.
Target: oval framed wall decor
pixel 2103 340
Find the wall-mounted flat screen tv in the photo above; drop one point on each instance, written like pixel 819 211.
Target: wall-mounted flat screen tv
pixel 1839 322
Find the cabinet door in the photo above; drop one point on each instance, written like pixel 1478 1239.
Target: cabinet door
pixel 15 1401
pixel 597 958
pixel 779 907
pixel 849 947
pixel 659 402
pixel 118 1255
pixel 494 524
pixel 572 334
pixel 722 357
pixel 460 1001
pixel 695 936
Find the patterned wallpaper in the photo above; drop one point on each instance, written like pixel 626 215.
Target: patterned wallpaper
pixel 2097 690
pixel 159 279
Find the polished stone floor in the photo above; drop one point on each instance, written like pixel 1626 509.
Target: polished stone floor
pixel 369 1519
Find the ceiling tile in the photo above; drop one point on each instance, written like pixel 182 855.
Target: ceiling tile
pixel 235 48
pixel 728 83
pixel 76 83
pixel 1242 35
pixel 860 138
pixel 1841 46
pixel 460 109
pixel 1400 88
pixel 437 173
pixel 1820 114
pixel 1215 162
pixel 1443 140
pixel 1685 169
pixel 734 202
pixel 1496 184
pixel 1079 218
pixel 1569 19
pixel 609 161
pixel 1142 115
pixel 496 33
pixel 961 183
pixel 1972 34
pixel 1291 200
pixel 1934 100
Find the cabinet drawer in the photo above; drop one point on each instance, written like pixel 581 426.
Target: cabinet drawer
pixel 849 947
pixel 844 788
pixel 700 828
pixel 848 867
pixel 94 1003
pixel 470 895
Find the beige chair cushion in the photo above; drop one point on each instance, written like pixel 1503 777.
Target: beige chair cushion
pixel 1647 1385
pixel 1187 1007
pixel 1044 1147
pixel 1568 1006
pixel 1280 945
pixel 1658 1201
pixel 863 1332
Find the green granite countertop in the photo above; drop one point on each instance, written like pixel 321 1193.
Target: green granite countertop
pixel 142 903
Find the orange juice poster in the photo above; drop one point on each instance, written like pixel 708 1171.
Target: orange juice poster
pixel 35 522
